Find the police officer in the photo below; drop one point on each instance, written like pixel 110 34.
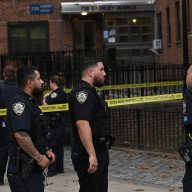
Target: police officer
pixel 28 153
pixel 56 143
pixel 187 179
pixel 7 89
pixel 90 122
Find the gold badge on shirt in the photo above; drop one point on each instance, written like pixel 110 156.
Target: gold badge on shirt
pixel 53 95
pixel 18 108
pixel 81 96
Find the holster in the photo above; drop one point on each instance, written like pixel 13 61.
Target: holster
pixel 24 164
pixel 185 151
pixel 110 141
pixel 104 143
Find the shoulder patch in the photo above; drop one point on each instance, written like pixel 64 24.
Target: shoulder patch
pixel 53 95
pixel 18 108
pixel 81 96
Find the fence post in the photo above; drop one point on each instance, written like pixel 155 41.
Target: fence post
pixel 138 114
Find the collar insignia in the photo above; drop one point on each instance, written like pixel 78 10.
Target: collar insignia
pixel 81 96
pixel 18 108
pixel 53 95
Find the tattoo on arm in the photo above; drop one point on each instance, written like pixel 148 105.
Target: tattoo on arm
pixel 25 142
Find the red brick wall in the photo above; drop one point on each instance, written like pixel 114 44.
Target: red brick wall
pixel 173 53
pixel 60 36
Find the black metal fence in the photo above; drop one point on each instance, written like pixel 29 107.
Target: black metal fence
pixel 152 129
pixel 156 127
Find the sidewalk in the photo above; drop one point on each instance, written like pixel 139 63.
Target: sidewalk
pixel 128 172
pixel 67 182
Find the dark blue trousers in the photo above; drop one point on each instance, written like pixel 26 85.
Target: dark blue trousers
pixel 58 149
pixel 187 179
pixel 3 162
pixel 96 182
pixel 57 146
pixel 17 184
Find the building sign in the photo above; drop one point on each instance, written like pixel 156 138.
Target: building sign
pixel 103 6
pixel 106 8
pixel 41 8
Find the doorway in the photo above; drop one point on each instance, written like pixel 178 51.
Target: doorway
pixel 84 35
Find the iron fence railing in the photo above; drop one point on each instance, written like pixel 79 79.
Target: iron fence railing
pixel 152 128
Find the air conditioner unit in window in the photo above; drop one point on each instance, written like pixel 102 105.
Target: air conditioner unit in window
pixel 157 44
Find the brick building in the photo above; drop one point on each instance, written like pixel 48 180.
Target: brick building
pixel 122 29
pixel 169 30
pixel 29 26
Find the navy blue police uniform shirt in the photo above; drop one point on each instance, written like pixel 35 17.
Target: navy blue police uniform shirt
pixel 85 102
pixel 187 110
pixel 57 96
pixel 8 89
pixel 57 119
pixel 24 114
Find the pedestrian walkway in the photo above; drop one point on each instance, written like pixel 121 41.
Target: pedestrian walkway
pixel 143 168
pixel 128 172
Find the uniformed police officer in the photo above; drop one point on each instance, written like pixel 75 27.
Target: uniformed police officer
pixel 56 143
pixel 187 179
pixel 7 89
pixel 90 121
pixel 28 153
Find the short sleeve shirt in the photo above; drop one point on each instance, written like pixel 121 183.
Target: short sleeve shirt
pixel 23 114
pixel 57 96
pixel 85 103
pixel 19 113
pixel 188 100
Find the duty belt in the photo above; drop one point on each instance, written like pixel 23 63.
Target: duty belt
pixel 104 142
pixel 100 144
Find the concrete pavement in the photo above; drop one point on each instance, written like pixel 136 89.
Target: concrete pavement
pixel 128 172
pixel 68 182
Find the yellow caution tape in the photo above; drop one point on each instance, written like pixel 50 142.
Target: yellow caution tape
pixel 144 99
pixel 54 108
pixel 3 112
pixel 141 85
pixel 112 102
pixel 131 86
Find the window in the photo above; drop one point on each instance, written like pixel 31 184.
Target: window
pixel 131 29
pixel 168 26
pixel 159 25
pixel 178 21
pixel 28 37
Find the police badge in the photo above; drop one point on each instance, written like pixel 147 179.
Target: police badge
pixel 53 95
pixel 81 96
pixel 18 108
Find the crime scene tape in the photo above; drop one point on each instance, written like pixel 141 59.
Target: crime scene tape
pixel 141 85
pixel 131 86
pixel 113 102
pixel 144 99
